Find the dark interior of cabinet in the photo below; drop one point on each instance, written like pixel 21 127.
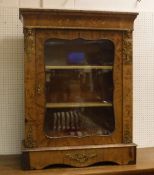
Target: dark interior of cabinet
pixel 61 52
pixel 79 87
pixel 82 121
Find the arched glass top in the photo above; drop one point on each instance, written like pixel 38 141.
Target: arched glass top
pixel 79 52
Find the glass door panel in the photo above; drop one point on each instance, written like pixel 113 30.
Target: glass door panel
pixel 79 87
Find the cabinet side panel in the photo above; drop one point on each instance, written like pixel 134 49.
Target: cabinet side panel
pixel 127 87
pixel 30 120
pixel 40 89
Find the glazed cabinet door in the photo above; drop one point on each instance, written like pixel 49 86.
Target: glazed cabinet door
pixel 78 87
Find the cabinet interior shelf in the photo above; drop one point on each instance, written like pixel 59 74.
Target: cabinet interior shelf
pixel 87 104
pixel 78 67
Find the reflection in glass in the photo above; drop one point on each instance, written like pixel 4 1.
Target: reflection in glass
pixel 79 52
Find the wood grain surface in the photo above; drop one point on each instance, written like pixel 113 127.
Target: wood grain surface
pixel 41 25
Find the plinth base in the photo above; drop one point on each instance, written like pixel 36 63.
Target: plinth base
pixel 78 156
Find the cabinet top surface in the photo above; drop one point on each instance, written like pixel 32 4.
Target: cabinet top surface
pixel 77 19
pixel 92 12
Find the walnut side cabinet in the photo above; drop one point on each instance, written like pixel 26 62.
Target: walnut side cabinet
pixel 78 88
